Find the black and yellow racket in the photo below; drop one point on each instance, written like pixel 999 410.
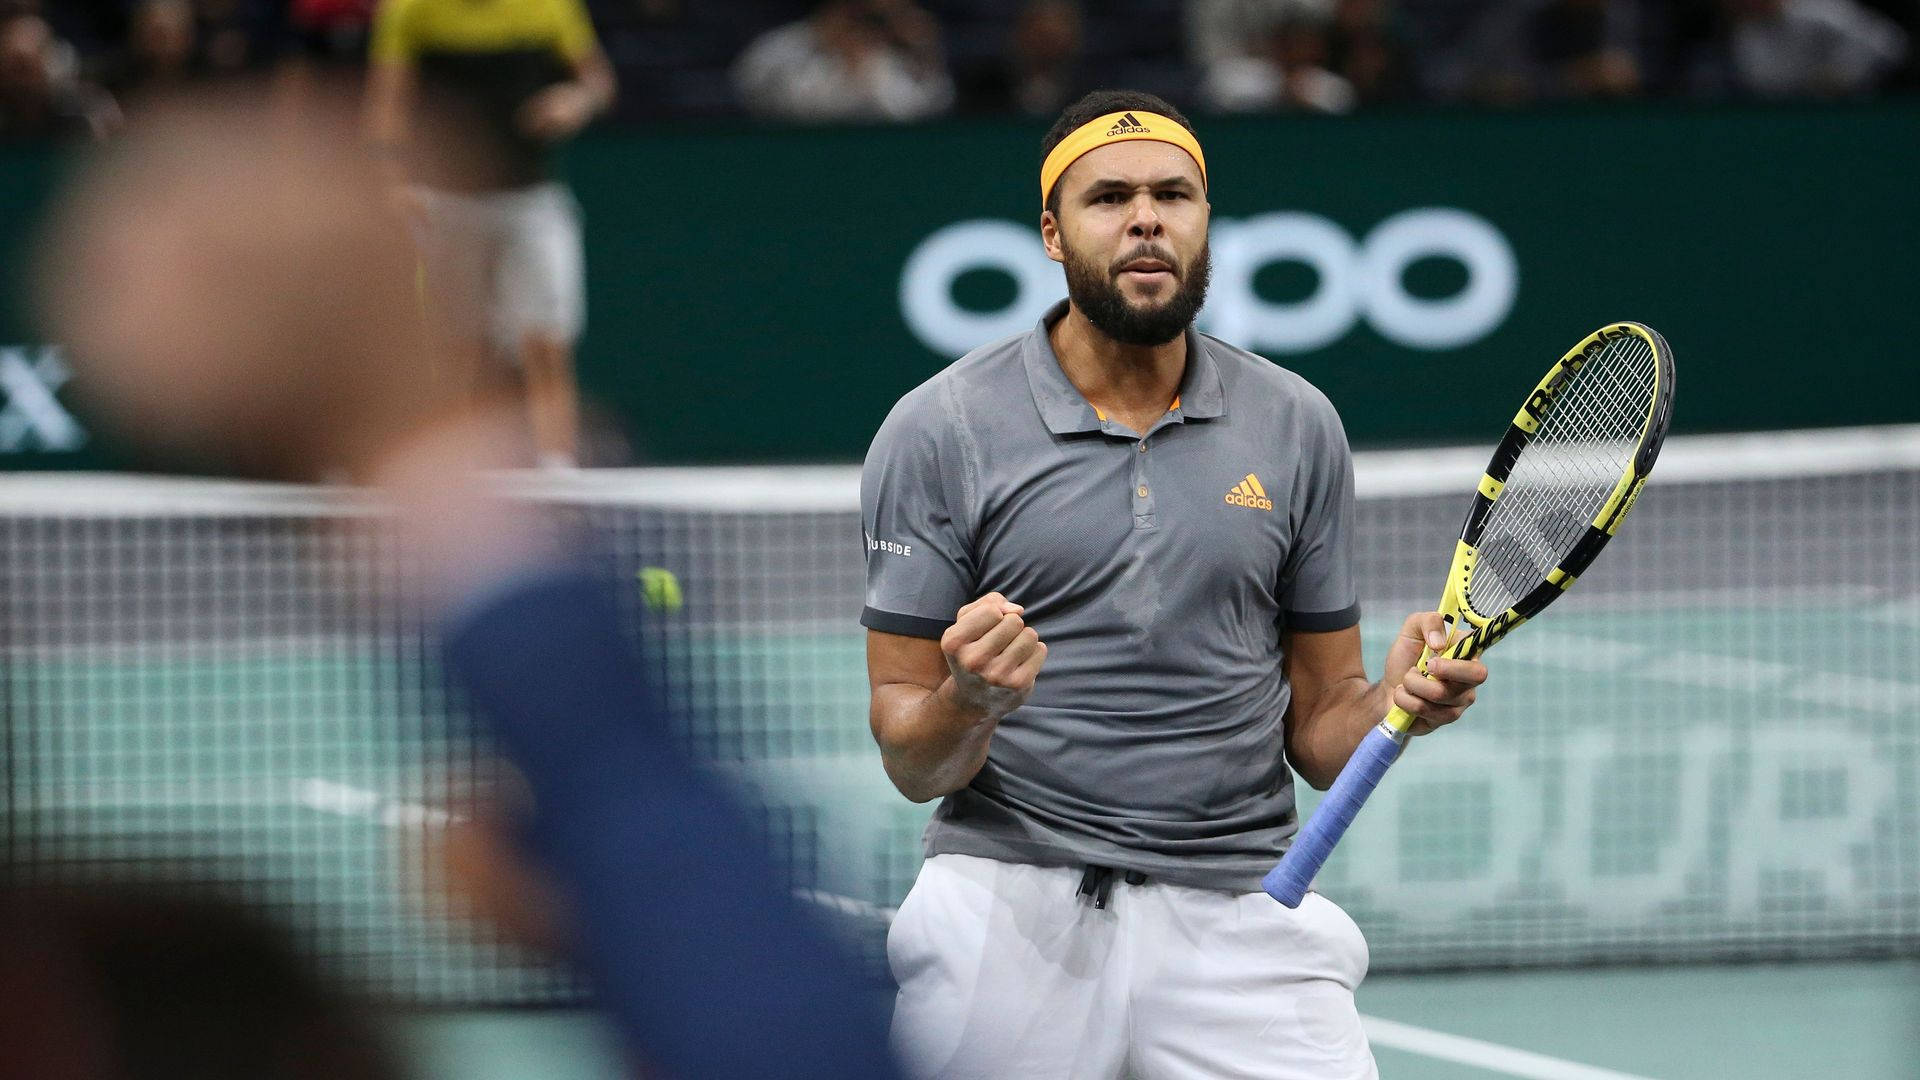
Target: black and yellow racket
pixel 1571 466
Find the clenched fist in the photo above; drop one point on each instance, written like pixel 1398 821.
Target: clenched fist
pixel 993 656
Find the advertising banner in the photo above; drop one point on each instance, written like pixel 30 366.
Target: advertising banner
pixel 765 294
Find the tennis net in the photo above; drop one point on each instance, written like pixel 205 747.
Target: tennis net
pixel 1702 754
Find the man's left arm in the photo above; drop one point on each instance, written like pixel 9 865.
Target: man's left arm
pixel 561 110
pixel 1333 703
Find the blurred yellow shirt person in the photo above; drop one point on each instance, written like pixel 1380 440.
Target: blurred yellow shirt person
pixel 468 99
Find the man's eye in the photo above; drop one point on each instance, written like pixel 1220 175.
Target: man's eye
pixel 1111 197
pixel 1173 194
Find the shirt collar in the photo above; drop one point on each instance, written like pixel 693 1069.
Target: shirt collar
pixel 1065 411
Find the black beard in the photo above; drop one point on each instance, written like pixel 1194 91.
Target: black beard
pixel 1096 292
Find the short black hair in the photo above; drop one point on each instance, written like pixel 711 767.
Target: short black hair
pixel 1098 104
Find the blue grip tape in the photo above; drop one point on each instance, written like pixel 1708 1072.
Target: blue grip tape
pixel 1288 882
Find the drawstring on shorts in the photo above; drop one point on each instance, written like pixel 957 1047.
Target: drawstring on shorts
pixel 1097 884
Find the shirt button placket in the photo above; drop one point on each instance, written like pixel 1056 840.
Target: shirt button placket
pixel 1142 491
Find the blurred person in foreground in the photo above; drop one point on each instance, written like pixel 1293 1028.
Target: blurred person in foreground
pixel 166 980
pixel 469 100
pixel 41 98
pixel 848 60
pixel 271 319
pixel 1111 610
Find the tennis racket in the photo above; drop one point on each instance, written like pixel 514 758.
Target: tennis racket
pixel 1571 466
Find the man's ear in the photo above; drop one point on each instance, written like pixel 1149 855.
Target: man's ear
pixel 1050 236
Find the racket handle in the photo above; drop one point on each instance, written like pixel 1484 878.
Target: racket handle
pixel 1289 881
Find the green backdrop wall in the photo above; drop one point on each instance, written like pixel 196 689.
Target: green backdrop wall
pixel 750 295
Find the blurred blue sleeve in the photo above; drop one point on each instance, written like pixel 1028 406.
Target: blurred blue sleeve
pixel 709 968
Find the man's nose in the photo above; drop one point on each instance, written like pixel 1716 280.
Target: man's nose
pixel 1145 220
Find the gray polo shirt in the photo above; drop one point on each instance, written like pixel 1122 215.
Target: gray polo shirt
pixel 1160 572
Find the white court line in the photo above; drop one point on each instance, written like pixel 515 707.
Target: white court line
pixel 847 905
pixel 1483 1055
pixel 346 800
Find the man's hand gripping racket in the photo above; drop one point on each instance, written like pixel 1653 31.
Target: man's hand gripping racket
pixel 1570 467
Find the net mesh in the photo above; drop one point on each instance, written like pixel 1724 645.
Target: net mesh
pixel 1705 753
pixel 1568 470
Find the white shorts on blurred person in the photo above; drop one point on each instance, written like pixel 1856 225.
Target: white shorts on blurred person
pixel 1006 970
pixel 500 265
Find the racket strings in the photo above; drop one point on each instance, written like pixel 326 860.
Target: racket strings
pixel 1586 442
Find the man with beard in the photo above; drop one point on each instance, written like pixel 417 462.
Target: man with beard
pixel 1161 521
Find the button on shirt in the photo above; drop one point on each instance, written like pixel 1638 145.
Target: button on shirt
pixel 1160 568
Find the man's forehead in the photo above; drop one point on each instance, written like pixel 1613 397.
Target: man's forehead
pixel 1136 161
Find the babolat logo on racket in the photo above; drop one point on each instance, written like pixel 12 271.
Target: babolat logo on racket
pixel 1500 626
pixel 1250 494
pixel 1537 403
pixel 1126 125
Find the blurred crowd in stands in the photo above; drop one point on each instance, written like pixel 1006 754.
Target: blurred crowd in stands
pixel 67 67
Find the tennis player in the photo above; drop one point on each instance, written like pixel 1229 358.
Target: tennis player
pixel 470 100
pixel 1109 585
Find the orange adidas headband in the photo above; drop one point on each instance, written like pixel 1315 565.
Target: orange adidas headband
pixel 1113 128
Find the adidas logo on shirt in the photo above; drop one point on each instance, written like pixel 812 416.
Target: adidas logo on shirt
pixel 1127 125
pixel 1250 494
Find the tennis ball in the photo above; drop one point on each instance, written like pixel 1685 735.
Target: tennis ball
pixel 661 589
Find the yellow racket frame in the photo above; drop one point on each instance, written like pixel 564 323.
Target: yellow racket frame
pixel 1487 628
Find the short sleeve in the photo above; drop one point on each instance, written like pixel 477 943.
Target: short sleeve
pixel 1317 591
pixel 920 567
pixel 576 38
pixel 392 40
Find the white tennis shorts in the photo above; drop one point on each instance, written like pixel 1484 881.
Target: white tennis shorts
pixel 503 264
pixel 1007 973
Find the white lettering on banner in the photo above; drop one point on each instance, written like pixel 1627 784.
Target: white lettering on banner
pixel 1413 825
pixel 926 284
pixel 1238 314
pixel 1811 855
pixel 1750 821
pixel 1354 281
pixel 1493 278
pixel 32 413
pixel 1631 878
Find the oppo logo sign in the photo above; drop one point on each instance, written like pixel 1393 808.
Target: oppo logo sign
pixel 1356 280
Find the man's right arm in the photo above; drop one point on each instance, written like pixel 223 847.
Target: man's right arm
pixel 935 704
pixel 389 86
pixel 390 89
